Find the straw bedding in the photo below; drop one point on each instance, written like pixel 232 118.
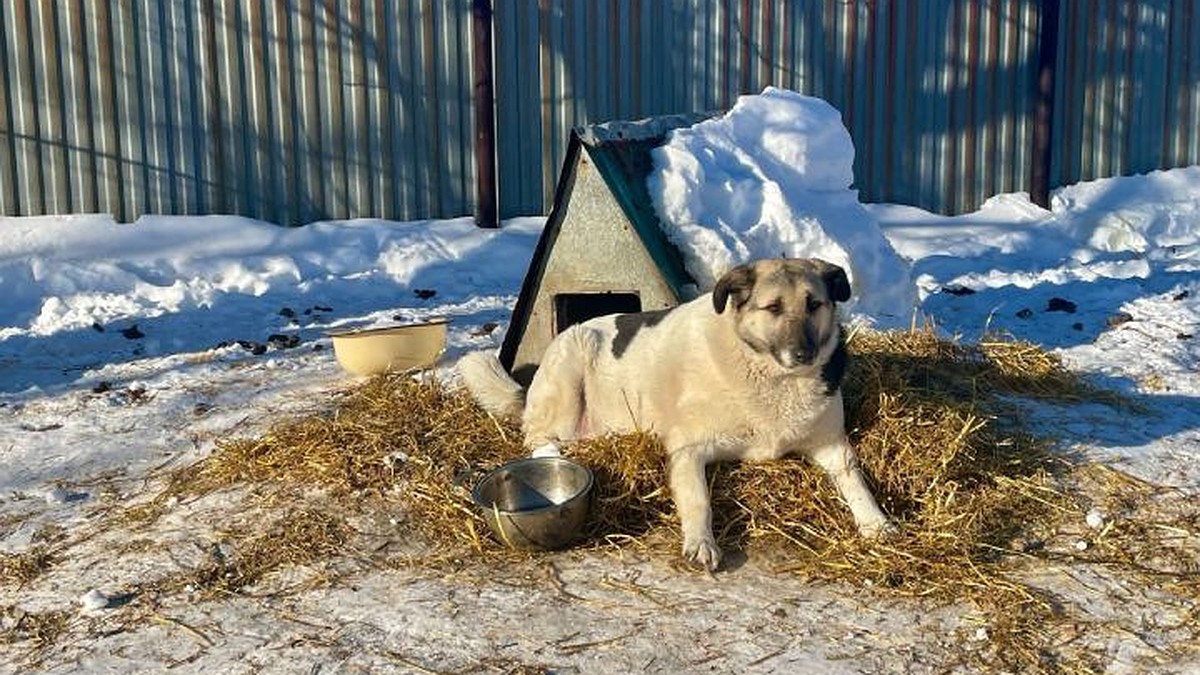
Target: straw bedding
pixel 970 489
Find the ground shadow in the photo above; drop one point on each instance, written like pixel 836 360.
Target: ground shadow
pixel 1054 315
pixel 303 311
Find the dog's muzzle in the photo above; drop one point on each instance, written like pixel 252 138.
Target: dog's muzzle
pixel 795 358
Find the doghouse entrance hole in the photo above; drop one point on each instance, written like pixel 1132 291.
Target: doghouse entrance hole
pixel 573 308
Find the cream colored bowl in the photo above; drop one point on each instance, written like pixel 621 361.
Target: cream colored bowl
pixel 394 349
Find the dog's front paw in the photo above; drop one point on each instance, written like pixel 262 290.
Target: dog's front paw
pixel 703 551
pixel 547 450
pixel 878 529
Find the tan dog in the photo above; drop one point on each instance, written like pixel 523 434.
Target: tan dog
pixel 750 372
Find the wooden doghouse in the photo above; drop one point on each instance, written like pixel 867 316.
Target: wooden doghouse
pixel 602 250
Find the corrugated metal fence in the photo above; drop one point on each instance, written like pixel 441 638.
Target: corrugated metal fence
pixel 296 110
pixel 285 110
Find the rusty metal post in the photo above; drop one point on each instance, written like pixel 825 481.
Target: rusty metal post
pixel 485 121
pixel 1043 120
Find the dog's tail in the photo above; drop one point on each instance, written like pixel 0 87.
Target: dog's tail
pixel 491 385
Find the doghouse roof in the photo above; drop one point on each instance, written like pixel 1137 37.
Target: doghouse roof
pixel 620 152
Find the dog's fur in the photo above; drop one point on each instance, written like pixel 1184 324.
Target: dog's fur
pixel 751 371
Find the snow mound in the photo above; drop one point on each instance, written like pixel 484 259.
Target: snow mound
pixel 772 178
pixel 64 274
pixel 1153 215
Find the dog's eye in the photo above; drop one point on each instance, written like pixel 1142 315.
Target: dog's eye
pixel 774 307
pixel 814 304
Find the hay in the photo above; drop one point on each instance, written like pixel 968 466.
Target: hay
pixel 299 537
pixel 33 634
pixel 392 438
pixel 917 408
pixel 1148 532
pixel 394 445
pixel 924 413
pixel 18 569
pixel 36 629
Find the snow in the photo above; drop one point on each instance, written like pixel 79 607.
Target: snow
pixel 93 600
pixel 127 349
pixel 772 178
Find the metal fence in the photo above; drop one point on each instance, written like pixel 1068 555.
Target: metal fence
pixel 285 110
pixel 298 110
pixel 1129 88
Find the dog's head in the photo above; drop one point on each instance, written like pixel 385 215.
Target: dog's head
pixel 784 308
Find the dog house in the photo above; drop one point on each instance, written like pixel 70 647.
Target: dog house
pixel 602 250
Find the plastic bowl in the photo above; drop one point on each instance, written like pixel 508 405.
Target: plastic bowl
pixel 394 349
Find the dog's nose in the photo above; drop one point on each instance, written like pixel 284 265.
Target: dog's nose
pixel 798 357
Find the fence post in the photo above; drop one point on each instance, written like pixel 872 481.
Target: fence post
pixel 485 120
pixel 1043 119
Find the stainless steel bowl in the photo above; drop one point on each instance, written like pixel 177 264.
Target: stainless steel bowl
pixel 537 503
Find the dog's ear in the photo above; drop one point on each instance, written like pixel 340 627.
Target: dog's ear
pixel 836 282
pixel 736 284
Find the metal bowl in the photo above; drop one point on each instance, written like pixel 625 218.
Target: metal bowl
pixel 535 504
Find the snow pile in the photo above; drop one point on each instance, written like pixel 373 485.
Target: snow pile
pixel 1155 215
pixel 80 272
pixel 1135 227
pixel 772 178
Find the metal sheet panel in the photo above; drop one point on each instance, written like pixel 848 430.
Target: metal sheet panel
pixel 300 110
pixel 935 94
pixel 9 202
pixel 1128 88
pixel 24 132
pixel 285 110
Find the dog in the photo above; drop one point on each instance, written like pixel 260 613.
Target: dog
pixel 751 371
